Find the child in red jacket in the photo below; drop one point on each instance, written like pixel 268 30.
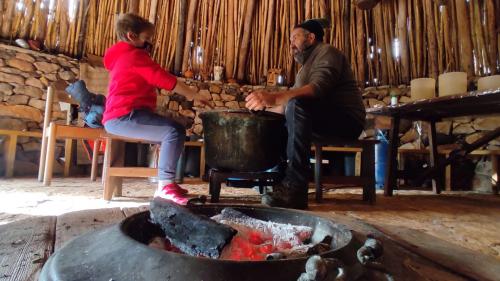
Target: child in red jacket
pixel 131 100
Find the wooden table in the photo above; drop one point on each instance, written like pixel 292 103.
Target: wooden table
pixel 26 245
pixel 432 111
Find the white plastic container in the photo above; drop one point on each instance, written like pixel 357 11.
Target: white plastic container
pixel 452 83
pixel 422 88
pixel 488 83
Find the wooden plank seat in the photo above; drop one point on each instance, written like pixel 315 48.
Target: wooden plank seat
pixel 366 179
pixel 114 171
pixel 9 148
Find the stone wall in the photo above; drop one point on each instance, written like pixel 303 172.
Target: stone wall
pixel 221 96
pixel 24 76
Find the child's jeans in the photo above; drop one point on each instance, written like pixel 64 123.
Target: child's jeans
pixel 149 126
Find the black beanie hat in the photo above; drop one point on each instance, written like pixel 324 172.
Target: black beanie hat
pixel 315 26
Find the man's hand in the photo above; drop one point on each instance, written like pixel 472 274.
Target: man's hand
pixel 259 100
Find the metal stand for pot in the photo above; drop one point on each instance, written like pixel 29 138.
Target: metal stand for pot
pixel 244 179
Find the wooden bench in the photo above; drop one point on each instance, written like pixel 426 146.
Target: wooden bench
pixel 366 179
pixel 494 155
pixel 9 148
pixel 114 172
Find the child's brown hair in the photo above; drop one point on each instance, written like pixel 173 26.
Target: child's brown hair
pixel 131 23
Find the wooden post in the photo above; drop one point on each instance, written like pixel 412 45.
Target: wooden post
pixel 180 41
pixel 95 158
pixel 402 36
pixel 7 18
pixel 230 40
pixel 494 178
pixel 51 150
pixel 368 172
pixel 391 169
pixel 46 122
pixel 193 4
pixel 492 33
pixel 10 155
pixel 317 171
pixel 361 45
pixel 464 38
pixel 431 38
pixel 246 40
pixel 269 32
pixel 152 11
pixel 436 180
pixel 68 146
pixel 133 6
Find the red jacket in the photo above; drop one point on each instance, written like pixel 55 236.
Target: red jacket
pixel 133 80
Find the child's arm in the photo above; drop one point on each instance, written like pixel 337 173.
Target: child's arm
pixel 156 75
pixel 183 89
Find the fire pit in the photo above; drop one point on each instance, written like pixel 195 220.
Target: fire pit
pixel 120 252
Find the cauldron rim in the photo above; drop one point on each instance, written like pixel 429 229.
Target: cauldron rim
pixel 123 224
pixel 243 111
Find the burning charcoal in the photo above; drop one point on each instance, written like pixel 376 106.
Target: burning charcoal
pixel 285 236
pixel 193 234
pixel 275 256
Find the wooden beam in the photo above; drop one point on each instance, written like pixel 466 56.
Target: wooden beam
pixel 464 38
pixel 453 257
pixel 133 6
pixel 152 11
pixel 26 246
pixel 431 38
pixel 179 47
pixel 402 36
pixel 193 5
pixel 46 121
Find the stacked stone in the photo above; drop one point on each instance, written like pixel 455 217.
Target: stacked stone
pixel 24 77
pixel 221 96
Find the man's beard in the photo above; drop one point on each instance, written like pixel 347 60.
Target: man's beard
pixel 300 56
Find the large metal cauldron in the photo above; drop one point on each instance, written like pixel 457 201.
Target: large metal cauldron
pixel 120 252
pixel 243 141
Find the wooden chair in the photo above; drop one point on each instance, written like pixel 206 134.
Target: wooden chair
pixel 53 131
pixel 96 78
pixel 367 174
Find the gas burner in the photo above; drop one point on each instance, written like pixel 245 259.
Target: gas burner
pixel 241 179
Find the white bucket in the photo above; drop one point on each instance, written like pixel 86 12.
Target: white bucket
pixel 488 83
pixel 422 88
pixel 452 83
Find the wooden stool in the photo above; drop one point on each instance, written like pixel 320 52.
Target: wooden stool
pixel 114 170
pixel 367 174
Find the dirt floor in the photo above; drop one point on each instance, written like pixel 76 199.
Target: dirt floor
pixel 470 220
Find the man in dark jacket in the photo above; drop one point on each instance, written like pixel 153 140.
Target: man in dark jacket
pixel 325 102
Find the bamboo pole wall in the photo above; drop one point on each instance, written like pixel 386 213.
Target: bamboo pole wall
pixel 249 37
